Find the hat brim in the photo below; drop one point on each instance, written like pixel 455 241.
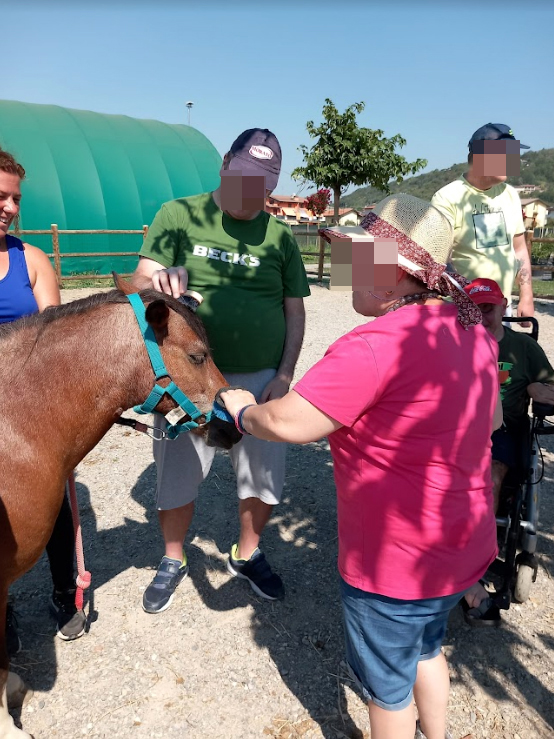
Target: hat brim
pixel 248 166
pixel 360 234
pixel 521 146
pixel 483 297
pixel 433 274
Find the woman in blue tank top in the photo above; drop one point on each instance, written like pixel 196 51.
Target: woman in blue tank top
pixel 28 285
pixel 17 298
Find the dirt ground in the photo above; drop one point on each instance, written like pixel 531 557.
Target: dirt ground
pixel 222 662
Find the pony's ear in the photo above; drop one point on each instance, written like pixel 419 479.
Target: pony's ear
pixel 125 286
pixel 157 314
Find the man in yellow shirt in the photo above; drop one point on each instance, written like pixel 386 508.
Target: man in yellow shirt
pixel 486 216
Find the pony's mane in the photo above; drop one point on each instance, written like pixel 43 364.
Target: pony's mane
pixel 84 305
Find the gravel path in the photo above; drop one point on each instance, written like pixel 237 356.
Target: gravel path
pixel 223 663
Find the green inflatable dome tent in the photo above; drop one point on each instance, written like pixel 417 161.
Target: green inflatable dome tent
pixel 89 170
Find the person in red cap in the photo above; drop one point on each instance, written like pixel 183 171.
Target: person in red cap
pixel 524 373
pixel 247 266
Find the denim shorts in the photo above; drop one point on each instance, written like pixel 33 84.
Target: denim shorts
pixel 387 637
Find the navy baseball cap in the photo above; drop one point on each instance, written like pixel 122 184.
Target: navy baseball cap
pixel 257 151
pixel 494 132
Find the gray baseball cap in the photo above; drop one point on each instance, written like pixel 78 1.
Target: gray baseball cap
pixel 257 151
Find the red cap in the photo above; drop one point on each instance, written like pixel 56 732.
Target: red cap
pixel 484 291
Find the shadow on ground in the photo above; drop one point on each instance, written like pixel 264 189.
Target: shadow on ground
pixel 303 633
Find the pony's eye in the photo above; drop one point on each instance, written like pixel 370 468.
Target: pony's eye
pixel 198 358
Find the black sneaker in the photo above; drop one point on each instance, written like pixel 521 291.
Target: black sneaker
pixel 71 622
pixel 13 642
pixel 257 571
pixel 159 594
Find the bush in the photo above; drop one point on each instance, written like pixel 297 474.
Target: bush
pixel 541 253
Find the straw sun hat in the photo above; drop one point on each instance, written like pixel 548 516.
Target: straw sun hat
pixel 424 238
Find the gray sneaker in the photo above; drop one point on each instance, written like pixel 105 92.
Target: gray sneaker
pixel 259 574
pixel 159 594
pixel 420 735
pixel 71 621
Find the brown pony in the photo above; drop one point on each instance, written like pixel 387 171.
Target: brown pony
pixel 66 375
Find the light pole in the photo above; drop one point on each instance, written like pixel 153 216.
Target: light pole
pixel 189 105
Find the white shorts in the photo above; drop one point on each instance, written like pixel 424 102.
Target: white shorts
pixel 183 463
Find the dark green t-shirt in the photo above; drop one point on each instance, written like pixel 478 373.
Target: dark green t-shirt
pixel 243 270
pixel 522 361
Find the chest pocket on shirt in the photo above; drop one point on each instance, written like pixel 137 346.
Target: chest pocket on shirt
pixel 490 230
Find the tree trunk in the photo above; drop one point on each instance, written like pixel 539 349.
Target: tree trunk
pixel 336 199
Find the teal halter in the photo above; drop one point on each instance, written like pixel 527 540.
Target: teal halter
pixel 185 406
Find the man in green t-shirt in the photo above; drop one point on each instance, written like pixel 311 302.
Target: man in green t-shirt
pixel 524 373
pixel 486 216
pixel 248 268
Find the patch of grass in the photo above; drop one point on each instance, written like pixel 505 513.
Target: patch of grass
pixel 95 282
pixel 90 280
pixel 312 280
pixel 541 289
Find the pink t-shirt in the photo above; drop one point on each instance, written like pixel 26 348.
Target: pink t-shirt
pixel 416 394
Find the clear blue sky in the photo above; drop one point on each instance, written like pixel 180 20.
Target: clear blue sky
pixel 429 72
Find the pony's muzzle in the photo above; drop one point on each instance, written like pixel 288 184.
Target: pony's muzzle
pixel 222 433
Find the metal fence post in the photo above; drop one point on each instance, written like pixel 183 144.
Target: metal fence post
pixel 321 259
pixel 144 232
pixel 56 252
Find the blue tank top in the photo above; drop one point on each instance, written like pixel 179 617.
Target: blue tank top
pixel 16 294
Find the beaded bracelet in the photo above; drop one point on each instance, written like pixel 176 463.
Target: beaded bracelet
pixel 238 420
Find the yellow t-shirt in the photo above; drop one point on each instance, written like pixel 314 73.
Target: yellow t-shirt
pixel 484 223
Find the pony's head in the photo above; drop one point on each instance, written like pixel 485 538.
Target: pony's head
pixel 184 346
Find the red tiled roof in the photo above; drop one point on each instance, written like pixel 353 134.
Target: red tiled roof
pixel 287 198
pixel 342 211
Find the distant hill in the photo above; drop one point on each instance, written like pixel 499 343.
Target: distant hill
pixel 537 168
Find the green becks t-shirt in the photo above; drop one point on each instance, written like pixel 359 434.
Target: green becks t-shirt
pixel 242 269
pixel 525 362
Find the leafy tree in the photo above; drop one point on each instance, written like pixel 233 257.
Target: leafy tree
pixel 345 154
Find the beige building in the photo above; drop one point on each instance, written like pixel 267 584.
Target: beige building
pixel 535 212
pixel 290 208
pixel 526 189
pixel 347 216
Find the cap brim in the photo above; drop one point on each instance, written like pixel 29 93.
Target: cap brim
pixel 505 138
pixel 247 166
pixel 481 298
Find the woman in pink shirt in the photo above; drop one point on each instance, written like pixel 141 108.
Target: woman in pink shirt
pixel 408 402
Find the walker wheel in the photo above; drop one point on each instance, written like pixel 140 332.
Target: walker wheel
pixel 524 579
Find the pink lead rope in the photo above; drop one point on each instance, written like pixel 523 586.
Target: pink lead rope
pixel 83 576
